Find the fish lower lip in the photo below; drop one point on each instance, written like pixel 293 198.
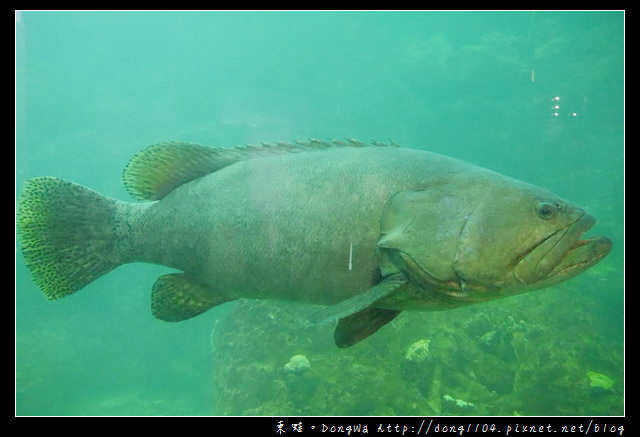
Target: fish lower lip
pixel 584 242
pixel 569 253
pixel 562 254
pixel 598 247
pixel 583 254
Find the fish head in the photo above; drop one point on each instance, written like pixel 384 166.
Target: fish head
pixel 521 237
pixel 480 238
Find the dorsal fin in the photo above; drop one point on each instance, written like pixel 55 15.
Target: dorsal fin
pixel 159 169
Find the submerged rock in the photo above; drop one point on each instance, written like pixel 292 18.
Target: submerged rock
pixel 298 364
pixel 460 403
pixel 418 351
pixel 599 381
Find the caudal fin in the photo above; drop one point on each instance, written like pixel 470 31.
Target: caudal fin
pixel 67 233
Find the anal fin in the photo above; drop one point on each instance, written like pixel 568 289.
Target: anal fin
pixel 176 297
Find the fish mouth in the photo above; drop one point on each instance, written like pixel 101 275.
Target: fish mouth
pixel 562 255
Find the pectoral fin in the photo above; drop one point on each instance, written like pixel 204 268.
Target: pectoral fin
pixel 358 317
pixel 357 327
pixel 358 302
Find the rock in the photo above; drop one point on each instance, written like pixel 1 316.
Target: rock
pixel 298 364
pixel 599 381
pixel 418 351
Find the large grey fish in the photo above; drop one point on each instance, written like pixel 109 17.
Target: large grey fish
pixel 369 230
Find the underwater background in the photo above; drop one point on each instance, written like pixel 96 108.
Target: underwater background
pixel 538 96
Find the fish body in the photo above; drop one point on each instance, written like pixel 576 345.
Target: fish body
pixel 283 227
pixel 367 230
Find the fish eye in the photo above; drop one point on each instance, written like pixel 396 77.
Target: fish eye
pixel 546 210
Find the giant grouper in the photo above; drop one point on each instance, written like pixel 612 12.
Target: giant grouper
pixel 368 230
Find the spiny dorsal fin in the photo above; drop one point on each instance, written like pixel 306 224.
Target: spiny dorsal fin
pixel 159 169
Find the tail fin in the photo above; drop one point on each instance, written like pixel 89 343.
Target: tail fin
pixel 67 233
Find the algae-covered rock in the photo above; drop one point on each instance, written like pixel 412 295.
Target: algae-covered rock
pixel 269 361
pixel 418 351
pixel 298 364
pixel 417 368
pixel 459 403
pixel 599 381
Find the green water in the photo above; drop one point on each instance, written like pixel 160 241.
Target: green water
pixel 94 88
